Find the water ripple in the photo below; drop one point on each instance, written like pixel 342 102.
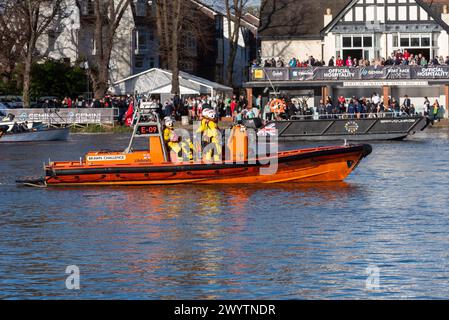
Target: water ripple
pixel 285 241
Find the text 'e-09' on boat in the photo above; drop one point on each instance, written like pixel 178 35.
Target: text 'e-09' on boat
pixel 153 166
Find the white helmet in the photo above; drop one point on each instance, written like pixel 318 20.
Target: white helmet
pixel 209 114
pixel 169 122
pixel 205 113
pixel 212 114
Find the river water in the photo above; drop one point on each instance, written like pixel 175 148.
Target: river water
pixel 390 219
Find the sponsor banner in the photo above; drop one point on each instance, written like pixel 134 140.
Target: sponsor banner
pixel 302 74
pixel 437 72
pixel 360 73
pixel 66 116
pixel 276 74
pixel 397 72
pixel 335 73
pixel 259 74
pixel 371 73
pixel 376 84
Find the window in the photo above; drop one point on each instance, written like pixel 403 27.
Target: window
pixel 425 41
pixel 219 26
pixel 408 41
pixel 190 41
pixel 347 42
pixel 357 42
pixel 87 8
pixel 152 62
pixel 367 42
pixel 395 40
pixel 141 8
pixel 141 40
pixel 139 62
pixel 52 37
pixel 405 42
pixel 414 42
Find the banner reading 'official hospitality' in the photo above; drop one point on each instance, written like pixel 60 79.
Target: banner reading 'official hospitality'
pixel 348 74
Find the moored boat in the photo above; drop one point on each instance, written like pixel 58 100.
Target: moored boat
pixel 14 131
pixel 153 166
pixel 351 129
pixel 47 134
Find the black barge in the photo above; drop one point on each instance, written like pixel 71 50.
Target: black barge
pixel 351 129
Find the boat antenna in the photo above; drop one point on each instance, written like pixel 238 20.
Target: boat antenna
pixel 269 80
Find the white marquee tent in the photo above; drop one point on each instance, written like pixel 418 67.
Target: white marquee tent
pixel 158 81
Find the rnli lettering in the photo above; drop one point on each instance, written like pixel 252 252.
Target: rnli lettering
pixel 107 158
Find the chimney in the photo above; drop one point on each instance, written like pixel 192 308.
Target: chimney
pixel 327 16
pixel 445 14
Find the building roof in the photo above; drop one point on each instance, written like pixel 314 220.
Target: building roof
pixel 155 81
pixel 215 7
pixel 290 19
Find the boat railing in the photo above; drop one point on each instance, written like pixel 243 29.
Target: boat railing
pixel 354 116
pixel 146 116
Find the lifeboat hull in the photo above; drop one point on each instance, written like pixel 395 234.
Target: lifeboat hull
pixel 327 164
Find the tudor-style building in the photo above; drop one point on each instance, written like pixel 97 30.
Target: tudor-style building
pixel 367 29
pixel 358 28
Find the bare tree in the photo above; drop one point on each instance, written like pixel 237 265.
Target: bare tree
pixel 235 11
pixel 169 16
pixel 12 39
pixel 37 16
pixel 178 22
pixel 107 17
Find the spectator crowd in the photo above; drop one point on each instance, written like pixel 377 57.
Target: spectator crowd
pixel 396 58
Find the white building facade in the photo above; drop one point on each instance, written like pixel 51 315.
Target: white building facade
pixel 362 29
pixel 136 46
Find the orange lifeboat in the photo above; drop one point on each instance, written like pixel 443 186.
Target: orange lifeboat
pixel 152 166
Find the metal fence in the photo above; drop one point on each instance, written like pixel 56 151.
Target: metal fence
pixel 75 116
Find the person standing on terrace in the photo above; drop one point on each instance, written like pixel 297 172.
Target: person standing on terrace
pixel 349 62
pixel 339 62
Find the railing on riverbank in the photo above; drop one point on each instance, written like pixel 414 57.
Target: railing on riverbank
pixel 400 72
pixel 68 116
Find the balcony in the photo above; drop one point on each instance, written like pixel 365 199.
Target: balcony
pixel 438 73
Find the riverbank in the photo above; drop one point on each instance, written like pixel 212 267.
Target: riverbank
pixel 444 123
pixel 101 129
